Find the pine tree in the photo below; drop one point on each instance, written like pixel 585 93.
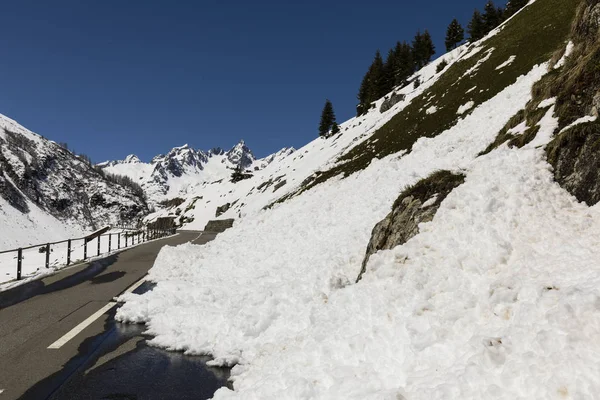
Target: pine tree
pixel 390 69
pixel 492 17
pixel 405 62
pixel 335 128
pixel 476 27
pixel 417 50
pixel 372 86
pixel 428 47
pixel 513 6
pixel 377 87
pixel 454 35
pixel 327 119
pixel 423 49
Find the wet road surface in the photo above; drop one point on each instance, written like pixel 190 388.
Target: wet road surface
pixel 105 359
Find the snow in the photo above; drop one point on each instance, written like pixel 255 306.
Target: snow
pixel 510 60
pixel 465 107
pixel 582 120
pixel 547 102
pixel 431 110
pixel 568 52
pixel 479 63
pixel 492 299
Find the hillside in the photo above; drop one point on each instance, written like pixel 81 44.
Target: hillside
pixel 47 193
pixel 475 200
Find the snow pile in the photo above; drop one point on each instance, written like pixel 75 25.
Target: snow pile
pixel 495 298
pixel 465 107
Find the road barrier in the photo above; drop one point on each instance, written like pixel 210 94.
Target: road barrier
pixel 80 249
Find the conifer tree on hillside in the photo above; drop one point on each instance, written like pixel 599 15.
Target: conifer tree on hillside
pixel 405 63
pixel 492 17
pixel 476 27
pixel 335 128
pixel 372 86
pixel 513 6
pixel 423 49
pixel 454 35
pixel 327 119
pixel 377 87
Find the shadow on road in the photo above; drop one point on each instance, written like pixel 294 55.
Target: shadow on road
pixel 38 287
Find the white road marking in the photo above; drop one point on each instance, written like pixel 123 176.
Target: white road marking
pixel 135 285
pixel 75 331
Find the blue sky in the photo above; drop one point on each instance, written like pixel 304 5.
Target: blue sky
pixel 112 78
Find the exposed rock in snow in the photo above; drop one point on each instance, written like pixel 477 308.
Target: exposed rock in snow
pixel 416 205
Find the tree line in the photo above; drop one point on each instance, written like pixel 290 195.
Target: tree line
pixel 404 59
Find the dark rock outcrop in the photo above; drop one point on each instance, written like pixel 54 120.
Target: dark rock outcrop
pixel 390 102
pixel 575 156
pixel 222 209
pixel 575 151
pixel 415 205
pixel 219 225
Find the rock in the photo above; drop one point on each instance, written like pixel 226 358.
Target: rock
pixel 575 156
pixel 222 209
pixel 279 185
pixel 415 205
pixel 394 99
pixel 219 225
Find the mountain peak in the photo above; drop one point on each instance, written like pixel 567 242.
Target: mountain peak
pixel 240 155
pixel 132 159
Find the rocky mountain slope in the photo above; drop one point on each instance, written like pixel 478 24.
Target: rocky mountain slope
pixel 47 193
pixel 468 209
pixel 183 169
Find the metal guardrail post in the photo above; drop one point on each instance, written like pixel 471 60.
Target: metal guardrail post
pixel 19 263
pixel 119 241
pixel 143 236
pixel 69 252
pixel 99 244
pixel 48 255
pixel 85 249
pixel 109 241
pixel 125 240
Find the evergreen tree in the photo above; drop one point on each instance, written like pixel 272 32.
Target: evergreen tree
pixel 405 63
pixel 377 86
pixel 335 128
pixel 372 86
pixel 390 69
pixel 327 119
pixel 492 17
pixel 428 47
pixel 513 6
pixel 454 35
pixel 476 27
pixel 423 49
pixel 417 50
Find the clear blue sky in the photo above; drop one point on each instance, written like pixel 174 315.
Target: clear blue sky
pixel 112 78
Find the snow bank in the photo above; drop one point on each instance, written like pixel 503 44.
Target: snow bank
pixel 454 313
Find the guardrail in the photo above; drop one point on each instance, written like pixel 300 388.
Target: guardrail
pixel 69 251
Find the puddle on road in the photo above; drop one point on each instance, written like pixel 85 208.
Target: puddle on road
pixel 119 364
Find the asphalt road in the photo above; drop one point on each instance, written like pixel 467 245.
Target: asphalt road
pixel 104 360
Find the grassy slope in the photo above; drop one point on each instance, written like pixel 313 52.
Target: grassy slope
pixel 533 36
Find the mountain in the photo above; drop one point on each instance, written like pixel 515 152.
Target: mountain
pixel 48 193
pixel 445 246
pixel 196 176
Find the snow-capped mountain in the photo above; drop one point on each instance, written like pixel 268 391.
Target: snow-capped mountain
pixel 47 193
pixel 185 171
